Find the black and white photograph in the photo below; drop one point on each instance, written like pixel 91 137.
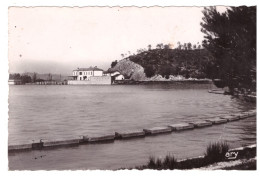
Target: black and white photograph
pixel 132 88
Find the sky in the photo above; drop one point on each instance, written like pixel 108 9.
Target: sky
pixel 60 39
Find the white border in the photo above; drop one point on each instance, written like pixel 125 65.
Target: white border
pixel 4 4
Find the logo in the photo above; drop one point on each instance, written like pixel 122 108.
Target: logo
pixel 231 155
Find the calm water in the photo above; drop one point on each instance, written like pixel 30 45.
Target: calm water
pixel 49 112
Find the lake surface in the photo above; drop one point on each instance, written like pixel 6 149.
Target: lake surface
pixel 50 112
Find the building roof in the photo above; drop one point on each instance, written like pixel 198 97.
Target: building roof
pixel 117 75
pixel 88 69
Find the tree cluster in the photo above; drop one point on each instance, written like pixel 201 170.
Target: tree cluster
pixel 24 78
pixel 231 38
pixel 188 46
pixel 188 63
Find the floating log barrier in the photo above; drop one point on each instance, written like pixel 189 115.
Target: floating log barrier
pixel 60 142
pixel 97 139
pixel 200 124
pixel 243 115
pixel 39 144
pixel 217 120
pixel 181 126
pixel 129 134
pixel 84 139
pixel 251 113
pixel 230 118
pixel 20 147
pixel 157 130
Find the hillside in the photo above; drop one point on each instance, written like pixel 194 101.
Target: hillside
pixel 167 63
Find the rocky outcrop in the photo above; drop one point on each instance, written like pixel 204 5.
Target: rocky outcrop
pixel 130 70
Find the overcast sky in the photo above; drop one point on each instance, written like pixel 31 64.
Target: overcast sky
pixel 58 40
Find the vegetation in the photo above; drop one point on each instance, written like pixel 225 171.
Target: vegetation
pixel 113 63
pixel 187 60
pixel 24 78
pixel 231 38
pixel 169 162
pixel 165 61
pixel 215 152
pixel 34 77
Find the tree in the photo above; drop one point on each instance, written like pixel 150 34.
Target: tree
pixel 26 79
pixel 231 38
pixel 34 78
pixel 166 46
pixel 194 46
pixel 159 46
pixel 189 46
pixel 166 71
pixel 149 47
pixel 185 46
pixel 149 71
pixel 122 55
pixel 49 77
pixel 15 76
pixel 179 45
pixel 113 63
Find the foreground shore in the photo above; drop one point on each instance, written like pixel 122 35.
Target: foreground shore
pixel 218 156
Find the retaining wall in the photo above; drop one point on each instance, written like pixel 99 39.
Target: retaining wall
pixel 83 139
pixel 94 80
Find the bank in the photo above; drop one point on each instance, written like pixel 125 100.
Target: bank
pixel 218 156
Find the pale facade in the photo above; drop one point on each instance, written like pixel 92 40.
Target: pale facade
pixel 116 75
pixel 82 74
pixel 119 77
pixel 14 82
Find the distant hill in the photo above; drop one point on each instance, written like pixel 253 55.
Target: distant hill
pixel 167 62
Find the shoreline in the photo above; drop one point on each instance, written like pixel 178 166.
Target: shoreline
pixel 214 159
pixel 132 82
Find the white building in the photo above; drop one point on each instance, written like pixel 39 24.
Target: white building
pixel 119 77
pixel 115 75
pixel 14 82
pixel 85 73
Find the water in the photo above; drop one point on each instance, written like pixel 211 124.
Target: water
pixel 49 112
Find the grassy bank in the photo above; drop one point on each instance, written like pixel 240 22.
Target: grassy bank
pixel 215 152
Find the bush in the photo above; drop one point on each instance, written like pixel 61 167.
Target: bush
pixel 169 162
pixel 151 163
pixel 149 71
pixel 216 152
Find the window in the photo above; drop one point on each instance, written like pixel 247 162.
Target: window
pixel 80 73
